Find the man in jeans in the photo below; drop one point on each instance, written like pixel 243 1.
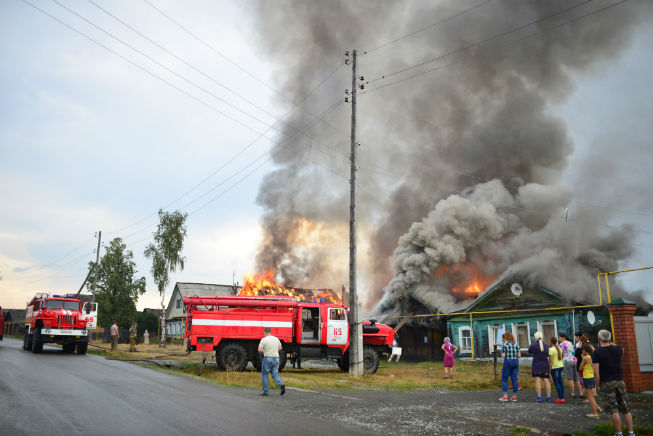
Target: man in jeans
pixel 270 347
pixel 606 361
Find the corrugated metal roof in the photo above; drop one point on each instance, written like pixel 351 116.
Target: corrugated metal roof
pixel 189 289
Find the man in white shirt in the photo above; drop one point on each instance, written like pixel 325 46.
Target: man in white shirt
pixel 270 347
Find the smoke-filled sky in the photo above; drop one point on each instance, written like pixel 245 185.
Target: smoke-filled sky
pixel 511 136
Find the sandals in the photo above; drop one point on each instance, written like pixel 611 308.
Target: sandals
pixel 592 415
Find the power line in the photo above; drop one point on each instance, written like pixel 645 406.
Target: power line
pixel 188 64
pixel 223 56
pixel 171 71
pixel 476 44
pixel 509 44
pixel 422 29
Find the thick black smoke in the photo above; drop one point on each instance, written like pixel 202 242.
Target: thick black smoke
pixel 457 165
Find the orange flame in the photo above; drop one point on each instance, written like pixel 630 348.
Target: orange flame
pixel 472 279
pixel 265 284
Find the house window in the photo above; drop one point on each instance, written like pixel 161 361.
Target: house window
pixel 549 330
pixel 179 303
pixel 522 335
pixel 494 333
pixel 465 335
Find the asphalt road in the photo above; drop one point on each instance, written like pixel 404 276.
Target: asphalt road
pixel 61 394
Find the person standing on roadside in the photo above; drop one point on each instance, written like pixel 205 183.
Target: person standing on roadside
pixel 146 337
pixel 540 367
pixel 569 363
pixel 133 334
pixel 270 347
pixel 115 335
pixel 449 350
pixel 555 366
pixel 589 382
pixel 606 362
pixel 510 353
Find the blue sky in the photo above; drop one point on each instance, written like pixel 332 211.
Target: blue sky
pixel 90 142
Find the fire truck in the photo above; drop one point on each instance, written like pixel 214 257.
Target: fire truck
pixel 232 326
pixel 63 320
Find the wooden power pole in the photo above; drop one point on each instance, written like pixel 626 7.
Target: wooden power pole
pixel 97 261
pixel 356 328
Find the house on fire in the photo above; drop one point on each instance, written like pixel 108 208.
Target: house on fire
pixel 175 314
pixel 521 309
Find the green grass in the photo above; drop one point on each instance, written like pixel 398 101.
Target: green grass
pixel 399 377
pixel 606 429
pixel 517 431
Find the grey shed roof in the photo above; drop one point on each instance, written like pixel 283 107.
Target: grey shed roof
pixel 189 289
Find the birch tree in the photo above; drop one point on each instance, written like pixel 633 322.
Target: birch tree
pixel 165 253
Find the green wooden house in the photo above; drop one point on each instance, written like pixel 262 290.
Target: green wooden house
pixel 522 309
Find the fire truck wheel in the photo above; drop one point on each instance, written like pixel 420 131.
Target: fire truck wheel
pixel 232 357
pixel 68 348
pixel 82 347
pixel 370 360
pixel 37 343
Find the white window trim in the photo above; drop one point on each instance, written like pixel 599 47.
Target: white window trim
pixel 528 331
pixel 460 339
pixel 555 329
pixel 490 337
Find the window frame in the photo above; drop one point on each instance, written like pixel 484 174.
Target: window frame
pixel 463 348
pixel 528 334
pixel 492 338
pixel 540 329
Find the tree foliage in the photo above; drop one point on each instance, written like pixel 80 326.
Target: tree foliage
pixel 118 288
pixel 147 321
pixel 165 253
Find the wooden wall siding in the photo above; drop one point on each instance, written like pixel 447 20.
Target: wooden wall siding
pixel 563 321
pixel 411 340
pixel 502 298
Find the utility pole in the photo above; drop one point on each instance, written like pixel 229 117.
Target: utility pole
pixel 97 262
pixel 356 328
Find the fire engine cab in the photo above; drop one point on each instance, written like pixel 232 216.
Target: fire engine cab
pixel 232 326
pixel 63 320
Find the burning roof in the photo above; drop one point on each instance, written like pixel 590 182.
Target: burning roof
pixel 265 284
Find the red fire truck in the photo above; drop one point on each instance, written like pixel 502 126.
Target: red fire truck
pixel 233 327
pixel 58 319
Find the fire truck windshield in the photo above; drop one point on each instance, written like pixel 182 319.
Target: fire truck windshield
pixel 61 304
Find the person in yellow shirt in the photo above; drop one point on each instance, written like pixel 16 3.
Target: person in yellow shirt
pixel 556 369
pixel 589 384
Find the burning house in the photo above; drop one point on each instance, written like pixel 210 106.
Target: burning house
pixel 521 309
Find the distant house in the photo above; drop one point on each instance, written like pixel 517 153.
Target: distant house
pixel 156 312
pixel 175 315
pixel 522 310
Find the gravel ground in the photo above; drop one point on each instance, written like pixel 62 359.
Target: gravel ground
pixel 438 411
pixel 430 412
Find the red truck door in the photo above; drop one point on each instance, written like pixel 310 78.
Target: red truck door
pixel 311 327
pixel 337 326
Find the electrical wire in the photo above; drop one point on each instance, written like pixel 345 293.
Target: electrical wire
pixel 224 57
pixel 422 29
pixel 191 66
pixel 478 43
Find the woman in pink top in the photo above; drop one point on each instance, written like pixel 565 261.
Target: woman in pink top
pixel 449 349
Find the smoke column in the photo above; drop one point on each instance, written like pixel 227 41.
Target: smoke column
pixel 458 166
